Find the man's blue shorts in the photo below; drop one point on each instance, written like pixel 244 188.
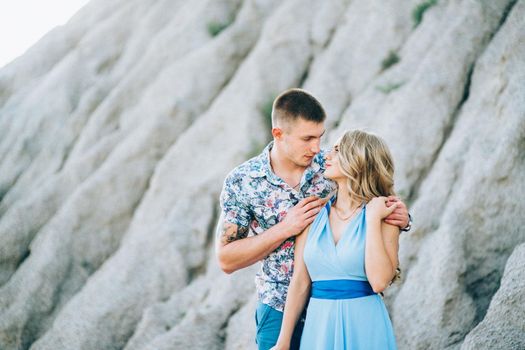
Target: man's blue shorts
pixel 268 324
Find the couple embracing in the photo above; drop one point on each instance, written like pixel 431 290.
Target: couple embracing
pixel 325 224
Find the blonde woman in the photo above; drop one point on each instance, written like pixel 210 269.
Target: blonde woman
pixel 347 255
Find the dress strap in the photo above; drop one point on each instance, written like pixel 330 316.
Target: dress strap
pixel 328 204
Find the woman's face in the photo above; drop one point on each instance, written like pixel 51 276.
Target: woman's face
pixel 333 168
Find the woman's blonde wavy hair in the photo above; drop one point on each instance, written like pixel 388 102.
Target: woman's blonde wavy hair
pixel 367 162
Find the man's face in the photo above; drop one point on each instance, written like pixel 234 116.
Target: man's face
pixel 300 141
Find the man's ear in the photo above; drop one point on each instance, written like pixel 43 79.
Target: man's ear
pixel 277 133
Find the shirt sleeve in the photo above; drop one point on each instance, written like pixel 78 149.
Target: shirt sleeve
pixel 234 205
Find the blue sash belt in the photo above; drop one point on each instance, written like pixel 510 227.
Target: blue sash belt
pixel 341 289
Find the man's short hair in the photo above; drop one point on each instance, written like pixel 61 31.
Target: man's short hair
pixel 295 103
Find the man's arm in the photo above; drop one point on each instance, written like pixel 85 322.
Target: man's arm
pixel 235 250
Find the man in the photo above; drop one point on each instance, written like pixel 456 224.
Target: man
pixel 276 195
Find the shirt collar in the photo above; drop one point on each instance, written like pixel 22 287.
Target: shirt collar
pixel 263 168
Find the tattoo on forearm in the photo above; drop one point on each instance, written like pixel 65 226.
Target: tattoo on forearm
pixel 231 233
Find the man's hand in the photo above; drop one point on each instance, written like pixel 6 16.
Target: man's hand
pixel 399 217
pixel 302 214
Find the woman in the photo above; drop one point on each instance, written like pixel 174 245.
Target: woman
pixel 348 254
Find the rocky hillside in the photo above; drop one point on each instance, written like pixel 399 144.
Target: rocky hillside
pixel 117 129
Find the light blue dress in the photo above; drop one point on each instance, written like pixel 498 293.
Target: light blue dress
pixel 358 324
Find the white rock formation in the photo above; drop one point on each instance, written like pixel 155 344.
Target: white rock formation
pixel 117 129
pixel 503 326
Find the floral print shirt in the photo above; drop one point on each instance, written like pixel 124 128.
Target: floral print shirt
pixel 254 197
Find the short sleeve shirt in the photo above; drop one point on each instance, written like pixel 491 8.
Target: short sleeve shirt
pixel 254 197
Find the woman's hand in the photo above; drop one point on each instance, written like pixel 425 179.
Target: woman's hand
pixel 399 217
pixel 280 346
pixel 377 208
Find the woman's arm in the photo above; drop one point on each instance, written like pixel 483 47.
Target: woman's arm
pixel 382 245
pixel 298 293
pixel 391 240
